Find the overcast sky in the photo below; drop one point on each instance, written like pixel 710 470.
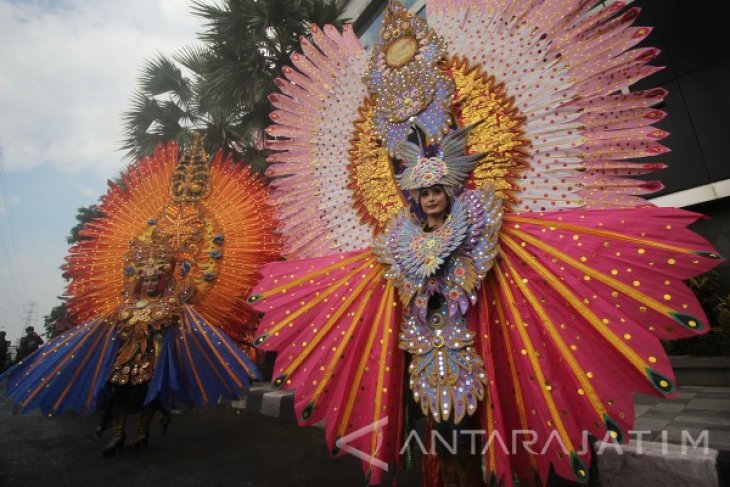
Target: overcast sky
pixel 67 71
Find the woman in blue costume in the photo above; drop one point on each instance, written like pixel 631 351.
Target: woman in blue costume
pixel 154 352
pixel 155 348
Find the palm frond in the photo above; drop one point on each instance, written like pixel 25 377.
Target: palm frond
pixel 160 75
pixel 145 110
pixel 322 12
pixel 221 83
pixel 194 57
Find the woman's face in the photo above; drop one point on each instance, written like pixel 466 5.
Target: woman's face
pixel 433 201
pixel 149 285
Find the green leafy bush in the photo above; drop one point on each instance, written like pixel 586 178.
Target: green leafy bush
pixel 715 299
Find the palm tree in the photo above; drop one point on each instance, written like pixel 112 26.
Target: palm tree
pixel 84 215
pixel 59 320
pixel 221 85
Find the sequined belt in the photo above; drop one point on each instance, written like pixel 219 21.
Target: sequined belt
pixel 136 360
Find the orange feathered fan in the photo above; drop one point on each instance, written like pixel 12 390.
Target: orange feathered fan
pixel 216 216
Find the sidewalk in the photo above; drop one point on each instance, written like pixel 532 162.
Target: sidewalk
pixel 668 429
pixel 697 409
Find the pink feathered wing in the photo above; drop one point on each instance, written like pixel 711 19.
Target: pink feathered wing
pixel 569 324
pixel 334 322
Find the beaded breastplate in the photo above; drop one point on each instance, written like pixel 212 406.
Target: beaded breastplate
pixel 140 323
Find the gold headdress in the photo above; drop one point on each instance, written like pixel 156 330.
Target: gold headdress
pixel 149 259
pixel 191 180
pixel 204 227
pixel 449 166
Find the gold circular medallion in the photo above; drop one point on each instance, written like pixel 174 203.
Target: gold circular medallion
pixel 437 320
pixel 401 51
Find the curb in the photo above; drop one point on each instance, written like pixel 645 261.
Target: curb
pixel 701 371
pixel 263 399
pixel 653 463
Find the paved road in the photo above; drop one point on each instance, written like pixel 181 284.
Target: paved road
pixel 203 448
pixel 215 447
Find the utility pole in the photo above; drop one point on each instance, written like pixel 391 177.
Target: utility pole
pixel 30 310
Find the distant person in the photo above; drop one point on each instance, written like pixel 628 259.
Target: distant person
pixel 3 351
pixel 28 344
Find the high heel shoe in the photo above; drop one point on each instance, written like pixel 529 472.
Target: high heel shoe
pixel 143 440
pixel 165 420
pixel 116 445
pixel 105 422
pixel 119 435
pixel 140 443
pixel 101 428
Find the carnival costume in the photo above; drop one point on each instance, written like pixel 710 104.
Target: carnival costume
pixel 158 284
pixel 557 280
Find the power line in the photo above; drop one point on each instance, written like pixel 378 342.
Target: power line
pixel 10 298
pixel 7 311
pixel 12 292
pixel 6 288
pixel 11 234
pixel 17 277
pixel 14 243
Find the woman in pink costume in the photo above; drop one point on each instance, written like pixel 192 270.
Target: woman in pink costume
pixel 538 299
